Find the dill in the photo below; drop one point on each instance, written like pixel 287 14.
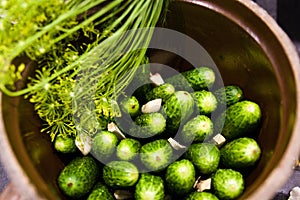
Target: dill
pixel 86 53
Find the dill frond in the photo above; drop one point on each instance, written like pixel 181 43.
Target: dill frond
pixel 87 52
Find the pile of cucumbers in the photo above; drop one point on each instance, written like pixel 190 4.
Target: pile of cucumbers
pixel 177 138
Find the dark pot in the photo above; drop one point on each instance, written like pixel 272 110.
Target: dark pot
pixel 249 49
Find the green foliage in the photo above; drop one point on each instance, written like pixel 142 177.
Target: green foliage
pixel 82 51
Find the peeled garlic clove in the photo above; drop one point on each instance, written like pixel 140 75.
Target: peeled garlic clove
pixel 204 185
pixel 152 106
pixel 84 143
pixel 156 79
pixel 112 127
pixel 218 140
pixel 123 194
pixel 175 144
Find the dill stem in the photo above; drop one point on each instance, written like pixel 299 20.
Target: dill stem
pixel 98 14
pixel 104 48
pixel 139 40
pixel 73 12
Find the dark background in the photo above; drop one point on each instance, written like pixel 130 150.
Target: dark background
pixel 287 14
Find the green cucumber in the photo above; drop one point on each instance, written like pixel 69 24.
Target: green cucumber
pixel 65 144
pixel 196 129
pixel 205 157
pixel 201 196
pixel 130 105
pixel 78 177
pixel 180 177
pixel 239 119
pixel 149 187
pixel 128 149
pixel 156 155
pixel 206 101
pixel 104 145
pixel 178 108
pixel 197 79
pixel 228 183
pixel 99 192
pixel 163 92
pixel 148 125
pixel 229 95
pixel 240 153
pixel 120 174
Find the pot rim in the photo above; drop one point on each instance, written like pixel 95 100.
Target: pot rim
pixel 291 154
pixel 275 178
pixel 17 175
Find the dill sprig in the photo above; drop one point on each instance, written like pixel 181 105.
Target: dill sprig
pixel 86 52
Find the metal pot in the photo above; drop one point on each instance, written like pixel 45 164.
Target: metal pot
pixel 250 50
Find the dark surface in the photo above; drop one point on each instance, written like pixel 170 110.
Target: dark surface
pixel 3 178
pixel 287 13
pixel 293 181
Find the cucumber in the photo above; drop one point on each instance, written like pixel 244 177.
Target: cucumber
pixel 78 177
pixel 197 79
pixel 229 95
pixel 201 196
pixel 120 174
pixel 178 108
pixel 206 101
pixel 99 192
pixel 149 187
pixel 104 145
pixel 240 153
pixel 205 157
pixel 180 177
pixel 65 144
pixel 128 149
pixel 130 105
pixel 228 183
pixel 156 155
pixel 239 119
pixel 163 92
pixel 148 125
pixel 197 129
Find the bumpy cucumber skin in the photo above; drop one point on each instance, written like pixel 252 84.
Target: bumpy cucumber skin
pixel 228 184
pixel 130 105
pixel 197 129
pixel 148 125
pixel 195 79
pixel 104 145
pixel 149 187
pixel 163 92
pixel 118 174
pixel 200 78
pixel 178 108
pixel 128 149
pixel 64 144
pixel 78 177
pixel 240 153
pixel 156 155
pixel 239 119
pixel 206 101
pixel 229 95
pixel 100 191
pixel 205 157
pixel 201 196
pixel 180 177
